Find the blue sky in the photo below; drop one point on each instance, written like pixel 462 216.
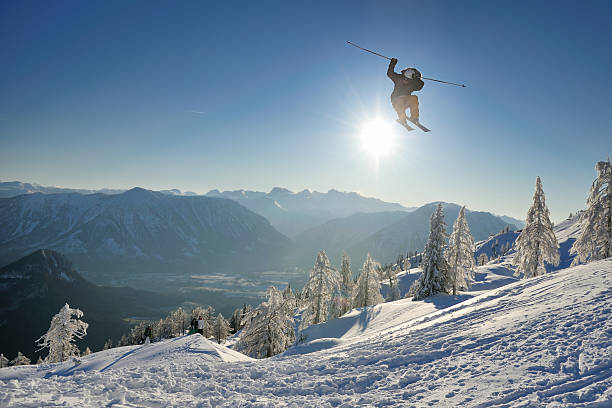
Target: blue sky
pixel 203 95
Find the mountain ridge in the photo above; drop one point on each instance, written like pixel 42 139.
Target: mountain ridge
pixel 109 232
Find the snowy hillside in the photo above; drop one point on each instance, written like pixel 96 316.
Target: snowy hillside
pixel 566 233
pixel 545 341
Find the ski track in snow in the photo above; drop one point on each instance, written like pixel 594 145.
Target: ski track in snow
pixel 545 341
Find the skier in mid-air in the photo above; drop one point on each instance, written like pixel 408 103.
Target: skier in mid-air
pixel 405 83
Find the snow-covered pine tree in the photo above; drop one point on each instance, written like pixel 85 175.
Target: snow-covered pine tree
pixel 289 295
pixel 168 328
pixel 346 273
pixel 209 322
pixel 39 361
pixel 137 333
pixel 595 241
pixel 389 273
pixel 346 289
pixel 3 361
pixel 87 351
pixel 270 330
pixel 537 243
pixel 367 288
pixel 400 262
pixel 235 320
pixel 108 344
pixel 323 283
pixel 460 254
pixel 482 259
pixel 178 318
pixel 62 333
pixel 245 317
pixel 20 360
pixel 158 330
pixel 435 268
pixel 123 341
pixel 221 329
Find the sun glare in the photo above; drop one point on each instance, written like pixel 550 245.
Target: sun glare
pixel 377 138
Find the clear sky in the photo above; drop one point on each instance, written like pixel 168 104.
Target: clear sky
pixel 202 95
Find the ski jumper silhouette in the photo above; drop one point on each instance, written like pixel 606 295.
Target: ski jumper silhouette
pixel 408 81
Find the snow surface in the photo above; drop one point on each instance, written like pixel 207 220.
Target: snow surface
pixel 545 341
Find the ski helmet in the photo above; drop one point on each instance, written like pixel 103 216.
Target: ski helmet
pixel 411 73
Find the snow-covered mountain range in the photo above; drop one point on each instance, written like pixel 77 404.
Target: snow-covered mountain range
pixel 289 212
pixel 292 213
pixel 15 188
pixel 140 230
pixel 113 237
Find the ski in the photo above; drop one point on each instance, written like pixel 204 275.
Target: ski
pixel 405 125
pixel 423 128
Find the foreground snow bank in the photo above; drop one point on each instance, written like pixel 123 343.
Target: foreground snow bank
pixel 546 341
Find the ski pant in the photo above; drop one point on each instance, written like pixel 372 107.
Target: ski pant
pixel 403 102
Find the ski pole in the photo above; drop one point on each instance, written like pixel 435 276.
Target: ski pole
pixel 444 82
pixel 380 55
pixel 371 52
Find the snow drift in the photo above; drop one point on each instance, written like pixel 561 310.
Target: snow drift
pixel 545 341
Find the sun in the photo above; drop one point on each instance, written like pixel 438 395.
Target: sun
pixel 377 138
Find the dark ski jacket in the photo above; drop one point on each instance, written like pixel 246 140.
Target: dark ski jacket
pixel 403 85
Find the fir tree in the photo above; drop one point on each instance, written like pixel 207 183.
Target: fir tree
pixel 323 283
pixel 435 268
pixel 367 289
pixel 245 317
pixel 3 361
pixel 39 361
pixel 537 243
pixel 87 351
pixel 483 259
pixel 20 360
pixel 235 320
pixel 460 254
pixel 123 341
pixel 389 273
pixel 62 333
pixel 209 322
pixel 289 295
pixel 270 329
pixel 595 241
pixel 178 318
pixel 138 334
pixel 108 344
pixel 347 284
pixel 221 328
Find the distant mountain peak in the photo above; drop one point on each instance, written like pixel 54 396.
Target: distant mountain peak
pixel 280 190
pixel 43 262
pixel 137 190
pixel 139 194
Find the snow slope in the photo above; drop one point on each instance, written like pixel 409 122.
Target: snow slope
pixel 545 341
